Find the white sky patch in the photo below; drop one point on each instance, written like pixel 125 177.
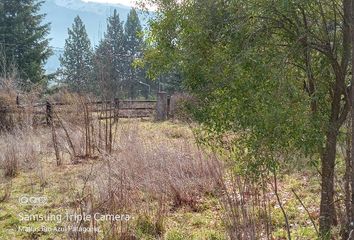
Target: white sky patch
pixel 124 2
pixel 129 3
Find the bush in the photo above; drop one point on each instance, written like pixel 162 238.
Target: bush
pixel 178 106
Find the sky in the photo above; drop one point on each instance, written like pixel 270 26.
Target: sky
pixel 125 2
pixel 130 3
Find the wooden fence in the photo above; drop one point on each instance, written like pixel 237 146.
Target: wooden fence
pixel 115 109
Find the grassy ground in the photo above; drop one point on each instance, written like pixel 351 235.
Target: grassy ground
pixel 306 186
pixel 65 185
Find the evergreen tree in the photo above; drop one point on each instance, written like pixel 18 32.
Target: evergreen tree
pixel 133 48
pixel 133 37
pixel 77 56
pixel 23 40
pixel 109 59
pixel 103 69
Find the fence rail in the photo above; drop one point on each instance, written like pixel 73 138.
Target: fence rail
pixel 120 108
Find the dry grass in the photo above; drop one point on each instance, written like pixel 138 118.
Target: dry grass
pixel 21 150
pixel 16 106
pixel 150 171
pixel 175 169
pixel 155 173
pixel 149 176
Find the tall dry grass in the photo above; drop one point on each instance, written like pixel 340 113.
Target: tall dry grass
pixel 246 206
pixel 176 169
pixel 17 107
pixel 21 150
pixel 147 178
pixel 20 143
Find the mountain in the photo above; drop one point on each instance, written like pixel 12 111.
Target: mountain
pixel 61 14
pixel 93 7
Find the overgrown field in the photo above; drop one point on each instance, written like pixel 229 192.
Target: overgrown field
pixel 156 175
pixel 156 179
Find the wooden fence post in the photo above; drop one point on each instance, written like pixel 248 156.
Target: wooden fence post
pixel 49 112
pixel 161 106
pixel 168 106
pixel 116 109
pixel 18 109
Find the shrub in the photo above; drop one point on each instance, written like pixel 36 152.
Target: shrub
pixel 178 106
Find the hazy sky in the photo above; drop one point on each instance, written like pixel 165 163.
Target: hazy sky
pixel 125 2
pixel 130 3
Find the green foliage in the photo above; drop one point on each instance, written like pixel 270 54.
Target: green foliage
pixel 109 70
pixel 146 228
pixel 76 60
pixel 133 34
pixel 112 49
pixel 114 57
pixel 244 62
pixel 23 41
pixel 176 234
pixel 133 48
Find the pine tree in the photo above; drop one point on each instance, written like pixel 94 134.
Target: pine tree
pixel 76 62
pixel 133 48
pixel 133 37
pixel 103 69
pixel 109 59
pixel 23 40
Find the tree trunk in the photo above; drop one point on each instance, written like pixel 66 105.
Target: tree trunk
pixel 350 5
pixel 328 158
pixel 345 228
pixel 327 210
